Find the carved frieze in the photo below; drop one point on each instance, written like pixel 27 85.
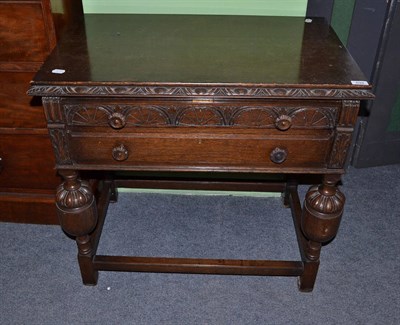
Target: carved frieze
pixel 201 115
pixel 195 91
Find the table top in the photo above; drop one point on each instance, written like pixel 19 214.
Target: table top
pixel 159 50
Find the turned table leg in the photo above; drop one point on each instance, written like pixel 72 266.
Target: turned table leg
pixel 77 212
pixel 322 212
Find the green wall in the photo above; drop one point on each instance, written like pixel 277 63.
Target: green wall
pixel 341 18
pixel 224 7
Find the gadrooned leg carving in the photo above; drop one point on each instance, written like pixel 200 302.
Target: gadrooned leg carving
pixel 322 212
pixel 77 212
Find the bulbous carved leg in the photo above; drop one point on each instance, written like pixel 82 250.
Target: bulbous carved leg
pixel 77 212
pixel 322 212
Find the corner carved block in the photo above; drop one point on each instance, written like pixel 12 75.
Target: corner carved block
pixel 60 146
pixel 345 128
pixel 52 110
pixel 349 113
pixel 340 148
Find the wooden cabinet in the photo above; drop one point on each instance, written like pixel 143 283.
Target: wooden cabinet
pixel 28 33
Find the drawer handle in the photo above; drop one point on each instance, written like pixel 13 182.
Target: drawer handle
pixel 283 122
pixel 278 155
pixel 117 121
pixel 120 153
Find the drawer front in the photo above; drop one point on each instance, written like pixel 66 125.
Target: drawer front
pixel 152 150
pixel 17 109
pixel 27 161
pixel 282 116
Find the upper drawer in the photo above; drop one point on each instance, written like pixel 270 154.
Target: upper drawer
pixel 283 116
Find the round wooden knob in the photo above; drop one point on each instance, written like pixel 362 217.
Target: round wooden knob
pixel 117 121
pixel 283 122
pixel 120 153
pixel 278 155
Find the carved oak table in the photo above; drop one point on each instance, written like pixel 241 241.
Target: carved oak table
pixel 208 102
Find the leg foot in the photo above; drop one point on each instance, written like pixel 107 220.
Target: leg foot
pixel 307 280
pixel 85 259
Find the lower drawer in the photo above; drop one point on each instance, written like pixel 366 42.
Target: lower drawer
pixel 30 207
pixel 205 150
pixel 27 161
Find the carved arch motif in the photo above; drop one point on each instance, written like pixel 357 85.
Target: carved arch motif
pixel 86 115
pixel 313 117
pixel 200 116
pixel 186 115
pixel 99 115
pixel 145 116
pixel 302 117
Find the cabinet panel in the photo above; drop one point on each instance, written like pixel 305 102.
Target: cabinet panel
pixel 27 161
pixel 24 36
pixel 17 109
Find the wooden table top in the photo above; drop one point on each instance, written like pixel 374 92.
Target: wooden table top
pixel 191 50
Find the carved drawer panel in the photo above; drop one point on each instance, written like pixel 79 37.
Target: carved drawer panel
pixel 281 116
pixel 203 150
